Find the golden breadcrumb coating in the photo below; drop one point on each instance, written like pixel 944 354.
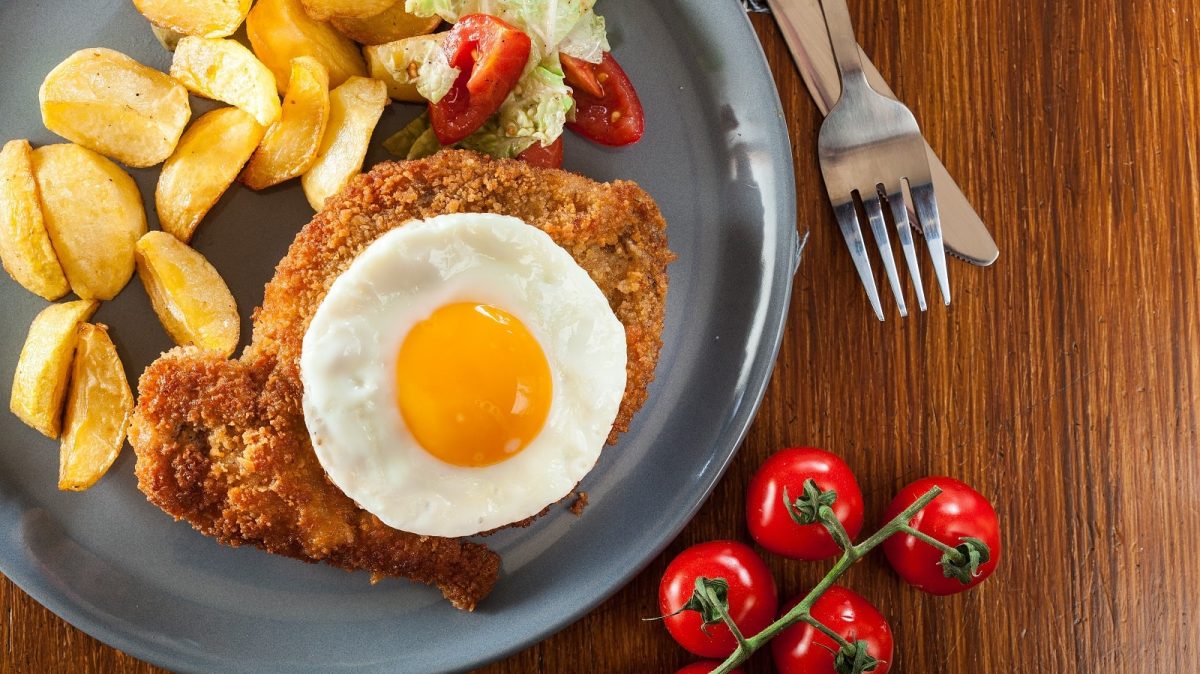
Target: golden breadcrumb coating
pixel 222 443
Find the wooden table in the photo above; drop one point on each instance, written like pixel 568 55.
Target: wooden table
pixel 1062 382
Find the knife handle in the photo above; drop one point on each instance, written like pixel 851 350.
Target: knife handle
pixel 803 27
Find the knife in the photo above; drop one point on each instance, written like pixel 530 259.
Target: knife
pixel 803 26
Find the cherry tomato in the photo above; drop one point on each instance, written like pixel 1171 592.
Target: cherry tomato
pixel 491 55
pixel 770 524
pixel 958 512
pixel 547 156
pixel 802 649
pixel 752 595
pixel 614 118
pixel 704 667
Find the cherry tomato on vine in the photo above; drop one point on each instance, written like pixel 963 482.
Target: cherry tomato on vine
pixel 752 595
pixel 704 667
pixel 613 118
pixel 770 524
pixel 491 55
pixel 958 513
pixel 802 649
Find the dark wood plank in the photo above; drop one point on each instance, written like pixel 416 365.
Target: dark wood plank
pixel 1063 381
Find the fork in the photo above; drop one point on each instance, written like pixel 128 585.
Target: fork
pixel 870 147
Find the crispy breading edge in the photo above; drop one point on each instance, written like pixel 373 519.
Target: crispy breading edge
pixel 263 485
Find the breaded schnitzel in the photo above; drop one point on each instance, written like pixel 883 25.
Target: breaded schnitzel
pixel 223 444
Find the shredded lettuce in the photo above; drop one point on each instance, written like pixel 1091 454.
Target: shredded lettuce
pixel 434 74
pixel 415 141
pixel 538 106
pixel 541 103
pixel 426 144
pixel 403 140
pixel 419 61
pixel 546 22
pixel 588 40
pixel 447 9
pixel 491 140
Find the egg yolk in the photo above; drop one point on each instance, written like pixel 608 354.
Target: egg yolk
pixel 473 384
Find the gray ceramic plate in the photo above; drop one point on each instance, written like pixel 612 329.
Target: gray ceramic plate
pixel 716 157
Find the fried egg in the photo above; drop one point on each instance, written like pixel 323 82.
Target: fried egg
pixel 462 374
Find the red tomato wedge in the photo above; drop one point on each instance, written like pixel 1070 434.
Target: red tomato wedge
pixel 613 118
pixel 546 156
pixel 491 55
pixel 581 75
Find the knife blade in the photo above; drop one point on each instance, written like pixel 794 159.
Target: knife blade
pixel 803 25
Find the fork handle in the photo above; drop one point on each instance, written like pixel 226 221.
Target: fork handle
pixel 841 36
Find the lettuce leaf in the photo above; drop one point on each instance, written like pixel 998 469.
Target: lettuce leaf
pixel 490 140
pixel 402 141
pixel 546 22
pixel 588 40
pixel 538 106
pixel 426 144
pixel 423 57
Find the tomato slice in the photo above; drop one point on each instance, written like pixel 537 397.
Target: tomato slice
pixel 581 75
pixel 613 118
pixel 547 156
pixel 491 55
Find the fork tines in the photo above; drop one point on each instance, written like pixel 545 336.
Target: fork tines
pixel 872 152
pixel 896 202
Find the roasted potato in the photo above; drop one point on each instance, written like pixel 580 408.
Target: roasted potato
pixel 94 216
pixel 210 155
pixel 168 38
pixel 227 71
pixel 392 64
pixel 280 30
pixel 355 9
pixel 107 102
pixel 389 25
pixel 45 363
pixel 206 18
pixel 354 109
pixel 99 404
pixel 189 296
pixel 25 248
pixel 290 146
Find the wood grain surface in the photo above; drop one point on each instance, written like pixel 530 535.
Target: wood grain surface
pixel 1063 382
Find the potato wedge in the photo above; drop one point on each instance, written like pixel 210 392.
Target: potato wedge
pixel 389 25
pixel 226 71
pixel 99 404
pixel 354 110
pixel 107 102
pixel 45 363
pixel 169 39
pixel 322 10
pixel 25 248
pixel 396 64
pixel 206 18
pixel 290 146
pixel 280 30
pixel 190 297
pixel 94 216
pixel 210 155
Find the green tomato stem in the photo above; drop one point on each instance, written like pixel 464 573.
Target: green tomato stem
pixel 835 528
pixel 802 611
pixel 724 613
pixel 955 555
pixel 827 631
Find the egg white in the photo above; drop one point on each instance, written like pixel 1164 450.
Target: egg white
pixel 348 369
